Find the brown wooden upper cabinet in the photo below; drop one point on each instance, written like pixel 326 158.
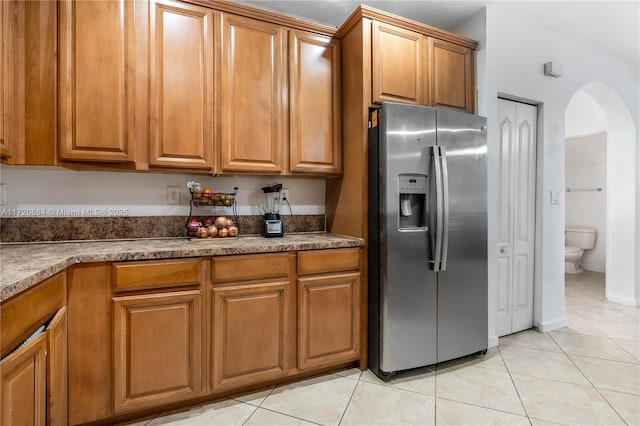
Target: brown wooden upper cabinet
pixel 451 75
pixel 414 68
pixel 181 98
pixel 7 83
pixel 97 82
pixel 314 103
pixel 252 110
pixel 398 56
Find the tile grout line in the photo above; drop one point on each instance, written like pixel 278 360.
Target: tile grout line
pixel 350 398
pixel 605 335
pixel 514 385
pixel 289 415
pixel 587 378
pixel 480 406
pixel 256 406
pixel 255 409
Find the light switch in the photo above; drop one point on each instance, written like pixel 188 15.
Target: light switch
pixel 555 197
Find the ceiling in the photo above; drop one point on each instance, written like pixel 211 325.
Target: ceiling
pixel 610 26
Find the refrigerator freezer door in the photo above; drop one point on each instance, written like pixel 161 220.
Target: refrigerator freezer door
pixel 407 287
pixel 462 287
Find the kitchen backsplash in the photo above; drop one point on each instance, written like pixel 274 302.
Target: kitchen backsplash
pixel 56 204
pixel 31 229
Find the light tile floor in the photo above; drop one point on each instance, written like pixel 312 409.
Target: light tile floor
pixel 586 373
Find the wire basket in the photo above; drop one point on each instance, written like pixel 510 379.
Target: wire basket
pixel 210 198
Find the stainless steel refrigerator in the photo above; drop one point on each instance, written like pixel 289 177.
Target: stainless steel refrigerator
pixel 427 237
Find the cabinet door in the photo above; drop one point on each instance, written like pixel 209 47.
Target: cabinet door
pixel 97 82
pixel 157 352
pixel 7 64
pixel 23 382
pixel 314 104
pixel 397 65
pixel 451 71
pixel 181 85
pixel 328 319
pixel 57 369
pixel 252 95
pixel 250 334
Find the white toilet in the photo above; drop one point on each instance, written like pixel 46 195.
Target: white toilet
pixel 576 241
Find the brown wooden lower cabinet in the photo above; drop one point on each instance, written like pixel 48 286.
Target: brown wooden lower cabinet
pixel 33 378
pixel 24 384
pixel 157 349
pixel 328 319
pixel 251 333
pixel 137 345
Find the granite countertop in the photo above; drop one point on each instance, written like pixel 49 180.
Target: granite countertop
pixel 24 265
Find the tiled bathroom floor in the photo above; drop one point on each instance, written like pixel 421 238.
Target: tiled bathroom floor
pixel 587 373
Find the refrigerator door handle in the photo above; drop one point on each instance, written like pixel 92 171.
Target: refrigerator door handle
pixel 437 252
pixel 445 209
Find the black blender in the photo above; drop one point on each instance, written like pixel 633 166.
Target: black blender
pixel 272 225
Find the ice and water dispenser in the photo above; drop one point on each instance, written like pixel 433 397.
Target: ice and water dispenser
pixel 412 189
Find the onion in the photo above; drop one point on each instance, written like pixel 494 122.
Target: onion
pixel 213 231
pixel 224 233
pixel 208 221
pixel 221 222
pixel 229 223
pixel 202 233
pixel 193 225
pixel 233 231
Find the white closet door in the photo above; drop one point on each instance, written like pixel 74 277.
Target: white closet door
pixel 516 216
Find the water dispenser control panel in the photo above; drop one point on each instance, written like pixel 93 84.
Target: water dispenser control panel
pixel 412 184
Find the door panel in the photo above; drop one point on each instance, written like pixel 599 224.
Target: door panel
pixel 7 82
pixel 328 319
pixel 57 369
pixel 462 287
pixel 398 74
pixel 408 293
pixel 516 214
pixel 143 327
pixel 451 74
pixel 524 216
pixel 314 93
pixel 24 385
pixel 250 333
pixel 504 315
pixel 182 86
pixel 96 88
pixel 251 105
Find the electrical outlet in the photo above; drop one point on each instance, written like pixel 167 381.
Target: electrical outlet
pixel 173 195
pixel 284 195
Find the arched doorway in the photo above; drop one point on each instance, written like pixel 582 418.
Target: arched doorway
pixel 596 107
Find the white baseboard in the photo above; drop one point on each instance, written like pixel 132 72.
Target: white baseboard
pixel 547 326
pixel 629 301
pixel 493 341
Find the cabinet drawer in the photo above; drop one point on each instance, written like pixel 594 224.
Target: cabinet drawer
pixel 250 267
pixel 154 274
pixel 323 261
